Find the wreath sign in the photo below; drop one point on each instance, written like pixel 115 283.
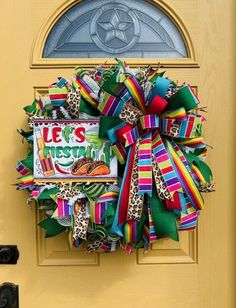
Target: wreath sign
pixel 143 120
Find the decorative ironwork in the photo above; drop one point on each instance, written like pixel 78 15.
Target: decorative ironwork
pixel 107 28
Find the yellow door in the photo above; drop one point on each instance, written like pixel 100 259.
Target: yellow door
pixel 198 271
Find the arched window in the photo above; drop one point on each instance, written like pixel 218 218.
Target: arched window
pixel 110 28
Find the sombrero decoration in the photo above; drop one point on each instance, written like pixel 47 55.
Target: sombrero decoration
pixel 154 127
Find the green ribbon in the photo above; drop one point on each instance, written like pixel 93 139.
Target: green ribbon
pixel 164 221
pixel 202 166
pixel 109 214
pixel 29 161
pixel 31 108
pixel 111 85
pixel 52 227
pixel 205 171
pixel 47 193
pixel 182 98
pixel 107 123
pixel 140 229
pixel 87 108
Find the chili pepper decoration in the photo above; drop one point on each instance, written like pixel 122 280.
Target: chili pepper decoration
pixel 60 169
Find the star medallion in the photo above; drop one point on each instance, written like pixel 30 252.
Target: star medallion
pixel 116 28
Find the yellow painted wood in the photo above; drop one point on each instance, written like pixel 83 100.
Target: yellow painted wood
pixel 118 280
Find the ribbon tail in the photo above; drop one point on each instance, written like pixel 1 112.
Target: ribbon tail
pixel 188 221
pixel 135 204
pixel 145 166
pixel 80 219
pixel 165 165
pixel 164 221
pixel 182 168
pixel 122 205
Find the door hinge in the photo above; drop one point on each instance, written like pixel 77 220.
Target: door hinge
pixel 9 254
pixel 9 295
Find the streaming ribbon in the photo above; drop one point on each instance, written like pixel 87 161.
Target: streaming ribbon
pixel 155 123
pixel 154 130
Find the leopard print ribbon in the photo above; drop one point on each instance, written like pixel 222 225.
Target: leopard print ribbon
pixel 73 102
pixel 162 190
pixel 81 222
pixel 130 114
pixel 68 192
pixel 207 188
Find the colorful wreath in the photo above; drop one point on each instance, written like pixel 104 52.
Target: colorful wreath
pixel 147 122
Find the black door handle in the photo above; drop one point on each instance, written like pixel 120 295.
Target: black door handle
pixel 9 295
pixel 9 254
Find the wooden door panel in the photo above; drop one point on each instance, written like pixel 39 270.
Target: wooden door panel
pixel 55 251
pixel 167 251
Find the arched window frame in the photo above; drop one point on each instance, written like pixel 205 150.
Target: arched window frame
pixel 37 60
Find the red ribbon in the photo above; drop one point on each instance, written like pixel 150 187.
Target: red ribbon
pixel 121 131
pixel 157 105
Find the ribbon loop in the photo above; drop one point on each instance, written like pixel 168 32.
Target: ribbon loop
pixel 149 121
pixel 136 92
pixel 132 135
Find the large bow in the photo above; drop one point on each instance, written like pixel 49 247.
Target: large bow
pixel 152 125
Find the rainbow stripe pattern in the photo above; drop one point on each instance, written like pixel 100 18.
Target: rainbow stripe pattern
pixel 166 126
pixel 149 121
pixel 145 166
pixel 193 142
pixel 126 97
pixel 97 210
pixel 178 114
pixel 85 91
pixel 57 95
pixel 120 152
pixel 63 208
pixel 109 196
pixel 181 155
pixel 186 180
pixel 131 136
pixel 136 92
pixel 152 232
pixel 22 169
pixel 110 105
pixel 191 127
pixel 130 231
pixel 188 221
pixel 164 163
pixel 36 192
pixel 27 181
pixel 198 177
